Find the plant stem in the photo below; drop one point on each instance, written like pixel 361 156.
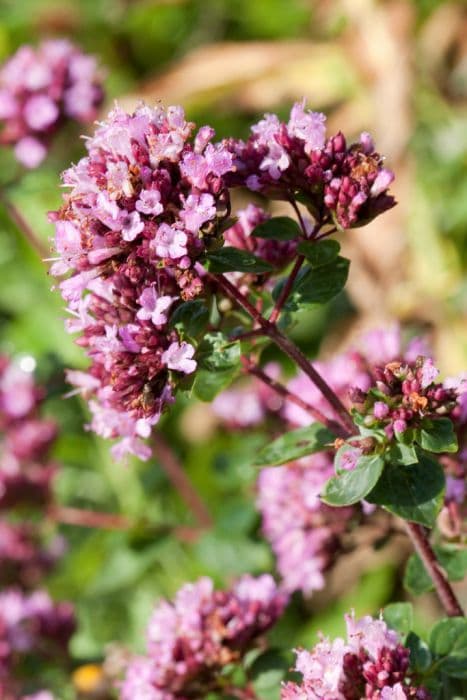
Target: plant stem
pixel 282 391
pixel 290 349
pixel 179 478
pixel 275 313
pixel 20 222
pixel 443 588
pixel 109 521
pixel 88 518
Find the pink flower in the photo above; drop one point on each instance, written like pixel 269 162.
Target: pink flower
pixel 40 112
pixel 178 357
pixel 30 152
pixel 170 242
pixel 197 210
pixel 154 307
pixel 149 202
pixel 131 226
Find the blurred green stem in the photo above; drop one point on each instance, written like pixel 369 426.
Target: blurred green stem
pixel 22 225
pixel 180 480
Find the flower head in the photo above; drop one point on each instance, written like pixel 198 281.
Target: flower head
pixel 346 184
pixel 41 88
pixel 141 208
pixel 191 639
pixel 371 663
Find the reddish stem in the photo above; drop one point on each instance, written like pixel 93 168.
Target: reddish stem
pixel 275 313
pixel 443 588
pixel 290 349
pixel 21 223
pixel 180 480
pixel 80 517
pixel 280 389
pixel 88 518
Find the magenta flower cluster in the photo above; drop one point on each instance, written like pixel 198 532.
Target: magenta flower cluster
pixel 341 184
pixel 26 471
pixel 371 663
pixel 143 206
pixel 31 626
pixel 190 640
pixel 42 87
pixel 26 476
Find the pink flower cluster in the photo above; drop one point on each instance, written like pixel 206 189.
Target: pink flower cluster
pixel 143 206
pixel 30 623
pixel 346 185
pixel 26 472
pixel 305 534
pixel 371 663
pixel 24 557
pixel 31 626
pixel 192 639
pixel 40 89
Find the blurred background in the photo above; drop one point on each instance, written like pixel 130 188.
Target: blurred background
pixel 396 68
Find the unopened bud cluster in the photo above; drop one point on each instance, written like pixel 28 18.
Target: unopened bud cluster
pixel 403 395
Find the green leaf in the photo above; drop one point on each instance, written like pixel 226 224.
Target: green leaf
pixel 190 318
pixel 296 444
pixel 420 655
pixel 352 486
pixel 413 492
pixel 452 559
pixel 279 228
pixel 218 365
pixel 402 454
pixel 448 638
pixel 268 670
pixel 399 617
pixel 319 253
pixel 207 384
pixel 217 353
pixel 438 436
pixel 229 259
pixel 316 285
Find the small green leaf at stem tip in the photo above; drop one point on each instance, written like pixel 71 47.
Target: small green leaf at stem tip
pixel 279 228
pixel 399 617
pixel 413 492
pixel 190 318
pixel 296 444
pixel 319 253
pixel 353 485
pixel 217 353
pixel 448 639
pixel 315 285
pixel 230 259
pixel 437 435
pixel 452 559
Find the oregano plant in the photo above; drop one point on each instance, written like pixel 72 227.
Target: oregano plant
pixel 171 291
